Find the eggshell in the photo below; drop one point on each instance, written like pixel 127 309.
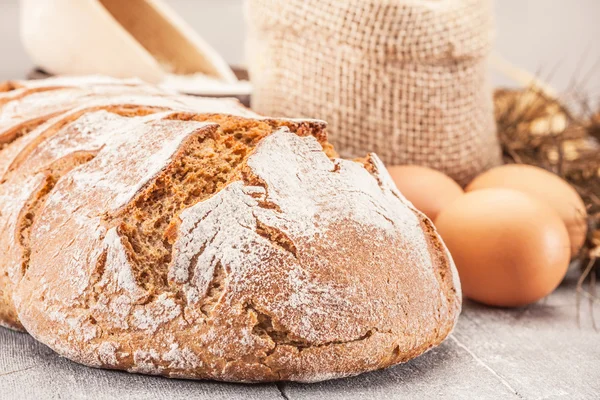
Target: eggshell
pixel 429 190
pixel 546 187
pixel 510 249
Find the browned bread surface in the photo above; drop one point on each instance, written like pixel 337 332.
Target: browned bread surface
pixel 185 237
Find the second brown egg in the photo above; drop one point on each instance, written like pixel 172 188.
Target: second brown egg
pixel 547 188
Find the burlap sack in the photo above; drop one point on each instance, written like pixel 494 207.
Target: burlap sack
pixel 406 79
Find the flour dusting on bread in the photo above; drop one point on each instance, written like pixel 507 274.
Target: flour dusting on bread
pixel 191 238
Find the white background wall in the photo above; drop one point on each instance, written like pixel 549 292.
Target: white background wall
pixel 538 35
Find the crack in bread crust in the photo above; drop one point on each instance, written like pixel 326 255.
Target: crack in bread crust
pixel 190 179
pixel 8 86
pixel 266 325
pixel 9 136
pixel 28 213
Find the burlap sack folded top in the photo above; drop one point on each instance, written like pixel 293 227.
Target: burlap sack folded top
pixel 406 79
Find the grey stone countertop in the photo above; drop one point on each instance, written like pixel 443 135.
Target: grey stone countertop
pixel 543 351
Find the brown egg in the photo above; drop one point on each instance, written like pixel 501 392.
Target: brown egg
pixel 509 248
pixel 429 190
pixel 546 187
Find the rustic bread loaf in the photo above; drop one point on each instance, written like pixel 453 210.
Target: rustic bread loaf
pixel 190 238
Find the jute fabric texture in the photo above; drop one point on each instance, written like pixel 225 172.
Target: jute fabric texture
pixel 406 79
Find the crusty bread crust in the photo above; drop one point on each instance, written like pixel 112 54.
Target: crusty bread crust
pixel 281 262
